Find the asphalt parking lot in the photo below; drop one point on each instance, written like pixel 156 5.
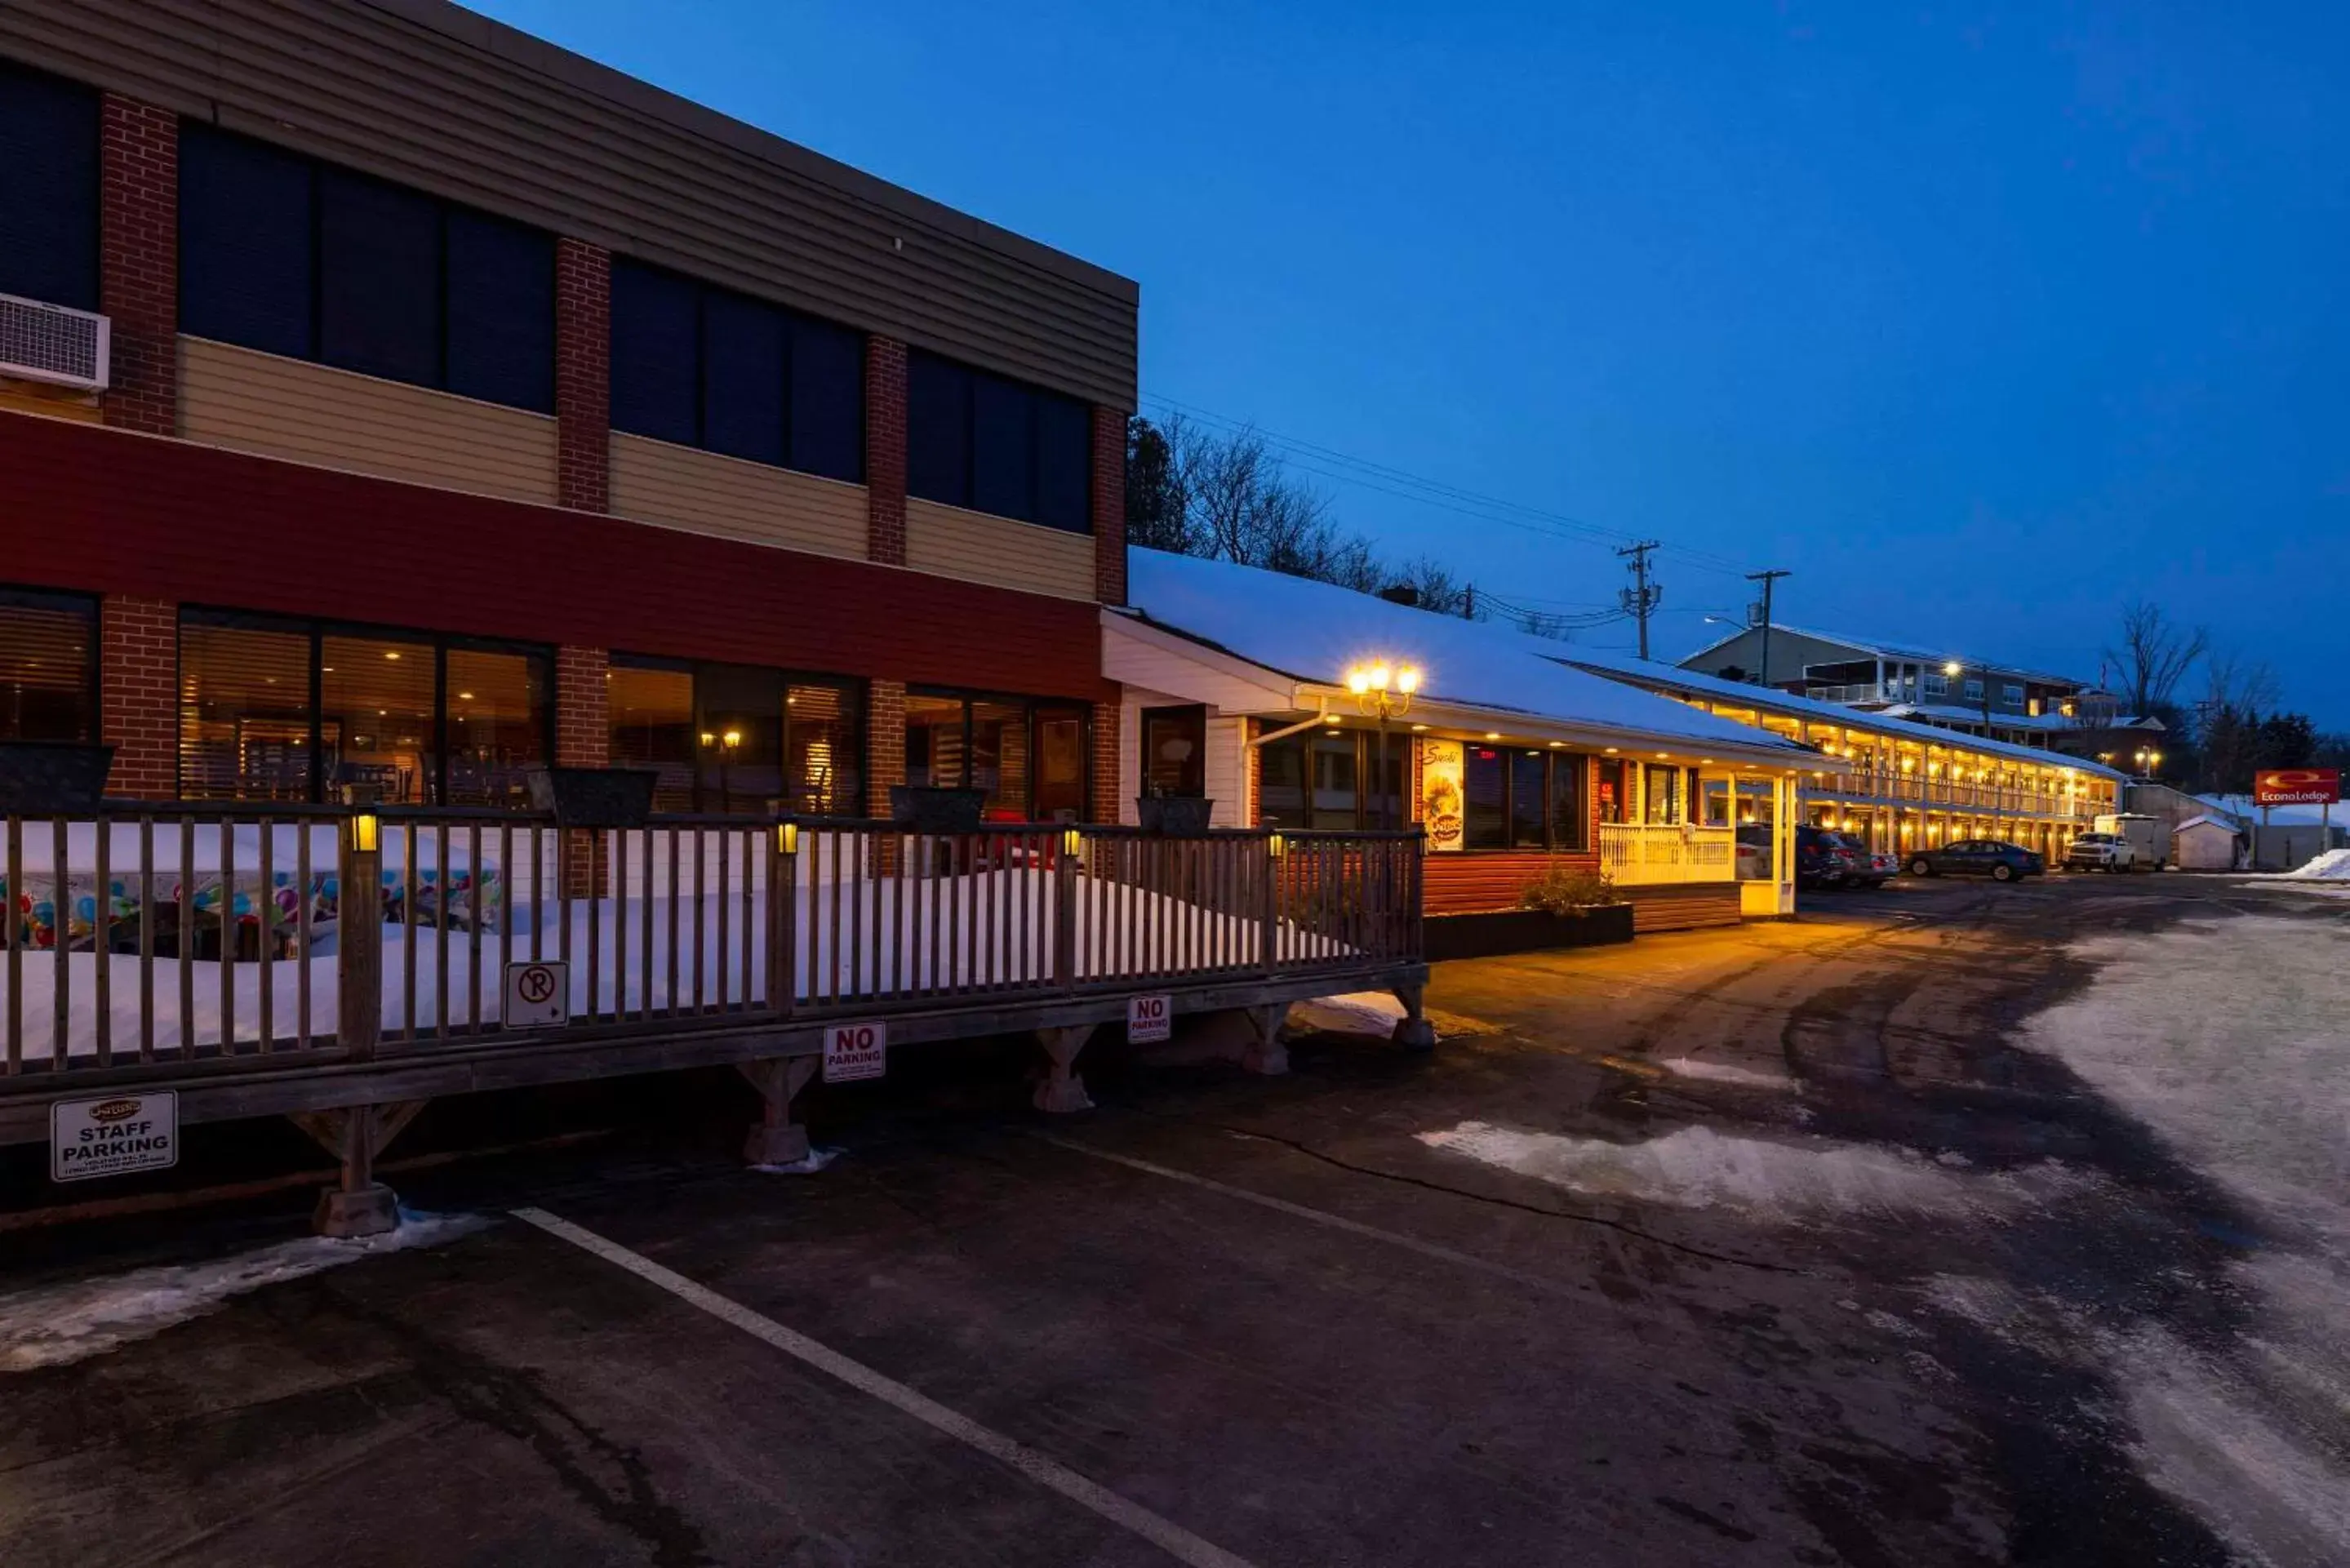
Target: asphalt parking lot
pixel 1687 1252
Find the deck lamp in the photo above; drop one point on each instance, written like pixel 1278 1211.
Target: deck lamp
pixel 1073 841
pixel 787 839
pixel 1277 845
pixel 367 831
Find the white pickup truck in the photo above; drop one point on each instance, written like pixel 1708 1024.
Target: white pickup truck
pixel 2127 841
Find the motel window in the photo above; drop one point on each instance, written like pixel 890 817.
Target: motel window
pixel 48 195
pixel 291 256
pixel 706 367
pixel 48 666
pixel 991 444
pixel 294 710
pixel 1936 685
pixel 735 738
pixel 1029 757
pixel 1974 690
pixel 2013 696
pixel 1175 751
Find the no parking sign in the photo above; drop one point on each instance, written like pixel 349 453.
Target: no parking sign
pixel 854 1051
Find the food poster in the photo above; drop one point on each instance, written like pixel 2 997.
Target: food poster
pixel 1440 792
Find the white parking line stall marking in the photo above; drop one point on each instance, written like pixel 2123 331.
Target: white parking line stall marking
pixel 1164 1534
pixel 1315 1216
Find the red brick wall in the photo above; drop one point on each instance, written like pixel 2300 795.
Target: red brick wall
pixel 198 524
pixel 885 450
pixel 139 714
pixel 1104 762
pixel 1110 506
pixel 138 261
pixel 583 727
pixel 885 743
pixel 583 379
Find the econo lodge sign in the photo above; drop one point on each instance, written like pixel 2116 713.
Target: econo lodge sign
pixel 2297 786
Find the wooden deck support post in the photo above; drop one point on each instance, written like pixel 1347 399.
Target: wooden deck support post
pixel 777 1139
pixel 1265 1054
pixel 1061 1090
pixel 1412 1031
pixel 357 1205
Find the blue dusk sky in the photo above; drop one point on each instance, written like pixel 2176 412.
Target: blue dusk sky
pixel 1978 319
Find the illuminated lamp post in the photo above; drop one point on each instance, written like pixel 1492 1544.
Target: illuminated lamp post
pixel 1383 692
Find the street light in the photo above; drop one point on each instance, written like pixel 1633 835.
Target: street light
pixel 1384 692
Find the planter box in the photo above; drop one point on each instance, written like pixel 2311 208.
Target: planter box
pixel 1525 931
pixel 1176 815
pixel 928 810
pixel 52 778
pixel 594 797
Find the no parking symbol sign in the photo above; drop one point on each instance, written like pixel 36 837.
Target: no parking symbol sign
pixel 854 1051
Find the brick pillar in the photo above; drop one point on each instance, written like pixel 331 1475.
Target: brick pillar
pixel 138 709
pixel 138 262
pixel 583 376
pixel 583 739
pixel 885 743
pixel 1110 506
pixel 1104 762
pixel 885 450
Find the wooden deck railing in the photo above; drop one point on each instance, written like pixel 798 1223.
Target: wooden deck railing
pixel 196 936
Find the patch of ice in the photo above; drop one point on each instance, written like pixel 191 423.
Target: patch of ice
pixel 1696 1168
pixel 51 1325
pixel 1711 1072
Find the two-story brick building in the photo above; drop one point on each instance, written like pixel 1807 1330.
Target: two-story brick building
pixel 470 406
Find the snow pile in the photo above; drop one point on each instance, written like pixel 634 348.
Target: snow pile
pixel 1696 1168
pixel 1711 1072
pixel 1373 1012
pixel 51 1325
pixel 2333 866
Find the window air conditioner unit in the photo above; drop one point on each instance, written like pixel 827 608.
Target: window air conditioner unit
pixel 51 343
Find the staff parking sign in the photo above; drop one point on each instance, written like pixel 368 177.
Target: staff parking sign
pixel 113 1137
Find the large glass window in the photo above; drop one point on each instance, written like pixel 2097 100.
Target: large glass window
pixel 278 709
pixel 1030 757
pixel 1614 780
pixel 48 666
pixel 1660 793
pixel 704 366
pixel 996 445
pixel 290 257
pixel 1485 795
pixel 1339 784
pixel 739 739
pixel 48 188
pixel 1174 750
pixel 1522 799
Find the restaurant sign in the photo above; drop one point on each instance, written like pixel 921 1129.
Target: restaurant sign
pixel 2297 786
pixel 1441 800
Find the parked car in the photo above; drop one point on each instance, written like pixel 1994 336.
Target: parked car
pixel 2148 837
pixel 1992 858
pixel 2103 852
pixel 1870 868
pixel 1754 852
pixel 1822 858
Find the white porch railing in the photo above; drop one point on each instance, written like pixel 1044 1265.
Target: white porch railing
pixel 1646 853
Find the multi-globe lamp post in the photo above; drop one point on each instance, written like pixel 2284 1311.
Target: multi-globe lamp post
pixel 1384 691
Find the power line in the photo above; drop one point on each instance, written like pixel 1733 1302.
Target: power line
pixel 1309 457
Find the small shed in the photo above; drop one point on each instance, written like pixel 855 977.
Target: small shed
pixel 2207 843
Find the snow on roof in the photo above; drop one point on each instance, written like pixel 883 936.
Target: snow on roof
pixel 1965 715
pixel 2207 820
pixel 1674 678
pixel 1312 632
pixel 1905 651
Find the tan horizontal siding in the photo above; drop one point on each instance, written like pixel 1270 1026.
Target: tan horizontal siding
pixel 655 482
pixel 310 413
pixel 979 548
pixel 451 102
pixel 54 402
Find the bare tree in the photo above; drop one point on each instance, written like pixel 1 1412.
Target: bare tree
pixel 2155 655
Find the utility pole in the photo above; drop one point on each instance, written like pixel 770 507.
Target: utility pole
pixel 1643 598
pixel 1766 579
